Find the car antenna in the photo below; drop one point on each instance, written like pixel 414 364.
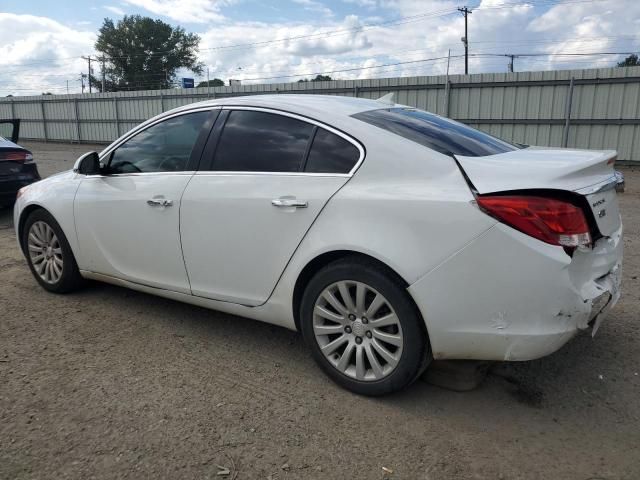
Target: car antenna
pixel 388 99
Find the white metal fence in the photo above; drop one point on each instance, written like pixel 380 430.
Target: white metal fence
pixel 598 109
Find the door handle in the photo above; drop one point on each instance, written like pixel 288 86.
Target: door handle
pixel 159 202
pixel 289 202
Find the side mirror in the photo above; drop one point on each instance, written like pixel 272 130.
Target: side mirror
pixel 88 164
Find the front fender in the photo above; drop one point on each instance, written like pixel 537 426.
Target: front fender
pixel 55 194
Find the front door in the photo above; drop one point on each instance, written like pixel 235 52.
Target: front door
pixel 127 219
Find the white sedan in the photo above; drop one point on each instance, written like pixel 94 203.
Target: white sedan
pixel 386 234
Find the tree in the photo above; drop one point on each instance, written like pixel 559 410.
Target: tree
pixel 216 82
pixel 318 78
pixel 143 53
pixel 631 61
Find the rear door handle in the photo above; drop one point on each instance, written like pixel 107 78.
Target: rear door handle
pixel 159 202
pixel 288 202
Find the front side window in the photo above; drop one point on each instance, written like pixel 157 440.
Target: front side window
pixel 331 153
pixel 163 147
pixel 253 141
pixel 438 133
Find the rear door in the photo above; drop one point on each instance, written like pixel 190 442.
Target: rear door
pixel 243 216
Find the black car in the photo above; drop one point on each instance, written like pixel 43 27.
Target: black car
pixel 17 167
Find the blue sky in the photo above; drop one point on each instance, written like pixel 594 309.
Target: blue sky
pixel 41 42
pixel 74 11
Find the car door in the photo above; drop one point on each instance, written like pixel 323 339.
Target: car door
pixel 127 218
pixel 244 215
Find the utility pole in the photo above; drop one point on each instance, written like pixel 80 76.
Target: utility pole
pixel 513 58
pixel 88 59
pixel 102 60
pixel 465 39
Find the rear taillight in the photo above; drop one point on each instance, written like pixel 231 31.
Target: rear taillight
pixel 24 157
pixel 553 221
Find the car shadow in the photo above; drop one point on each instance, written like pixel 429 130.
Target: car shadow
pixel 563 380
pixel 6 216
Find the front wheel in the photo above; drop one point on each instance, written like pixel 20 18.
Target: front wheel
pixel 48 253
pixel 363 328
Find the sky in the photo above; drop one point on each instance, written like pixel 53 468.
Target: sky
pixel 267 41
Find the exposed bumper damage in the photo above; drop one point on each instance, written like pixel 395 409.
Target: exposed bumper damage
pixel 516 298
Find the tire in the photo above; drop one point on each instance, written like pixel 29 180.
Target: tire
pixel 42 231
pixel 352 364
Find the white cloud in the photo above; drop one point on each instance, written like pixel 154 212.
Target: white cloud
pixel 315 6
pixel 493 29
pixel 353 46
pixel 362 3
pixel 187 11
pixel 113 9
pixel 38 54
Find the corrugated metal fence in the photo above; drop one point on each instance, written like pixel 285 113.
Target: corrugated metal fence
pixel 598 109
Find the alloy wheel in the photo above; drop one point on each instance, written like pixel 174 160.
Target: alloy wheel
pixel 45 252
pixel 357 330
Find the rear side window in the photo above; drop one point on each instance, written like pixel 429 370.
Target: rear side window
pixel 262 142
pixel 331 153
pixel 438 133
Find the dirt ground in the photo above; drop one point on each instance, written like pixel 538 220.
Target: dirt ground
pixel 111 383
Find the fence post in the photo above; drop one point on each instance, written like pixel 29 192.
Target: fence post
pixel 567 114
pixel 355 91
pixel 447 89
pixel 117 116
pixel 69 117
pixel 44 121
pixel 75 104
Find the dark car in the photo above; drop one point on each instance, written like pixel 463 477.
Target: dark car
pixel 17 167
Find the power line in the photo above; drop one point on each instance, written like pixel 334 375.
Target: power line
pixel 328 34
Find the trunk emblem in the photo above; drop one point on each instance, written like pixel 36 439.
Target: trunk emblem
pixel 602 213
pixel 598 203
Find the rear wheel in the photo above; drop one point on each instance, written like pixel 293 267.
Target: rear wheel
pixel 49 255
pixel 363 328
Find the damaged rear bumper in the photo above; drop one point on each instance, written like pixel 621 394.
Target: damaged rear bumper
pixel 507 296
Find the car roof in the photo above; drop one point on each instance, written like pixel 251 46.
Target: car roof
pixel 321 107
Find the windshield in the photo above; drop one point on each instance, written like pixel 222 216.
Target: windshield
pixel 438 133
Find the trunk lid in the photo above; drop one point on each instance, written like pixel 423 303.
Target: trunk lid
pixel 585 172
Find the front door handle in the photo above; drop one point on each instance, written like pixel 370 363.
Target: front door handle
pixel 159 202
pixel 288 202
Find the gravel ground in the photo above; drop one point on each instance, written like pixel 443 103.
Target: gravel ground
pixel 111 383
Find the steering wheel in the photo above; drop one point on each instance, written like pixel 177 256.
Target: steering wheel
pixel 126 162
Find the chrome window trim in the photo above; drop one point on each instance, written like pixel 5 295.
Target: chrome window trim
pixel 140 174
pixel 143 126
pixel 230 173
pixel 301 118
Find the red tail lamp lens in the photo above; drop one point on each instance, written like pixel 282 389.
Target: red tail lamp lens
pixel 553 221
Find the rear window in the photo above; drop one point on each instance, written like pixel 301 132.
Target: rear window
pixel 435 132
